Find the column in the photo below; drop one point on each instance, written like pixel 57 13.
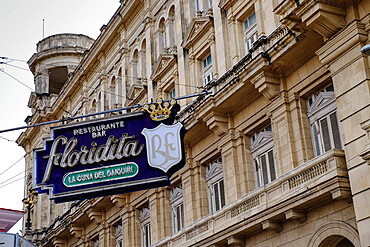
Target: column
pixel 42 82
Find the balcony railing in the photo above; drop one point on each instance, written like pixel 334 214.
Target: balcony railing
pixel 315 172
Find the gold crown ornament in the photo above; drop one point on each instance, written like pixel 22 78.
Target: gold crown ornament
pixel 159 110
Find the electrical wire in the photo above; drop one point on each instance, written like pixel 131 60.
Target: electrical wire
pixel 12 182
pixel 6 139
pixel 2 70
pixel 11 166
pixel 13 59
pixel 16 66
pixel 3 182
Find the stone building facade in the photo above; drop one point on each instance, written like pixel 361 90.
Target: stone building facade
pixel 277 155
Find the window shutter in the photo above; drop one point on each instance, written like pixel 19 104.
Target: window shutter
pixel 325 134
pixel 272 165
pixel 335 129
pixel 264 169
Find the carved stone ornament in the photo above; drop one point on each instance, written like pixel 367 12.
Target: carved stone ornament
pixel 324 16
pixel 267 83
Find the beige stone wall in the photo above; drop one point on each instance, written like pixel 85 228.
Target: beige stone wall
pixel 321 221
pixel 301 49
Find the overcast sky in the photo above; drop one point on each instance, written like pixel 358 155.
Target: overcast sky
pixel 21 27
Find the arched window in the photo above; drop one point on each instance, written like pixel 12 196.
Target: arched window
pixel 161 37
pixel 172 26
pixel 135 66
pixel 112 92
pixel 143 60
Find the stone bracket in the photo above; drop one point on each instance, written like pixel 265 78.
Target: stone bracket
pixel 96 216
pixel 235 241
pixel 119 200
pixel 272 225
pixel 217 122
pixel 267 83
pixel 340 193
pixel 324 17
pixel 293 214
pixel 76 231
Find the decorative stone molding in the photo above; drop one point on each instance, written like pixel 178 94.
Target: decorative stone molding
pixel 217 122
pixel 298 185
pixel 144 214
pixel 324 16
pixel 366 153
pixel 333 228
pixel 267 83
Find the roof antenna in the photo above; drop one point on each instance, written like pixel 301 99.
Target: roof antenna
pixel 43 28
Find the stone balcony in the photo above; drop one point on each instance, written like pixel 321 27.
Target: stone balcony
pixel 317 181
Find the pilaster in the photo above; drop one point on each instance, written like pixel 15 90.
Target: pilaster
pixel 281 122
pixel 351 79
pixel 230 147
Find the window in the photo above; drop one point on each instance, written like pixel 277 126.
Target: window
pixel 172 94
pixel 95 242
pixel 177 209
pixel 324 121
pixel 262 148
pixel 118 236
pixel 250 31
pixel 145 227
pixel 207 69
pixel 197 7
pixel 209 3
pixel 215 181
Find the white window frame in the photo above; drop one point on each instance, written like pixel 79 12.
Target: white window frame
pixel 145 227
pixel 322 110
pixel 176 200
pixel 262 147
pixel 207 70
pixel 216 185
pixel 250 32
pixel 197 6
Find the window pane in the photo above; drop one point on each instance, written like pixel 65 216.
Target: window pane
pixel 335 129
pixel 258 173
pixel 252 19
pixel 222 193
pixel 325 134
pixel 330 88
pixel 272 165
pixel 264 168
pixel 217 197
pixel 316 139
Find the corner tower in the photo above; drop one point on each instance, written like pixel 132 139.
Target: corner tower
pixel 56 57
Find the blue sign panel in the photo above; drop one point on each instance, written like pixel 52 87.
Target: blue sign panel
pixel 108 156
